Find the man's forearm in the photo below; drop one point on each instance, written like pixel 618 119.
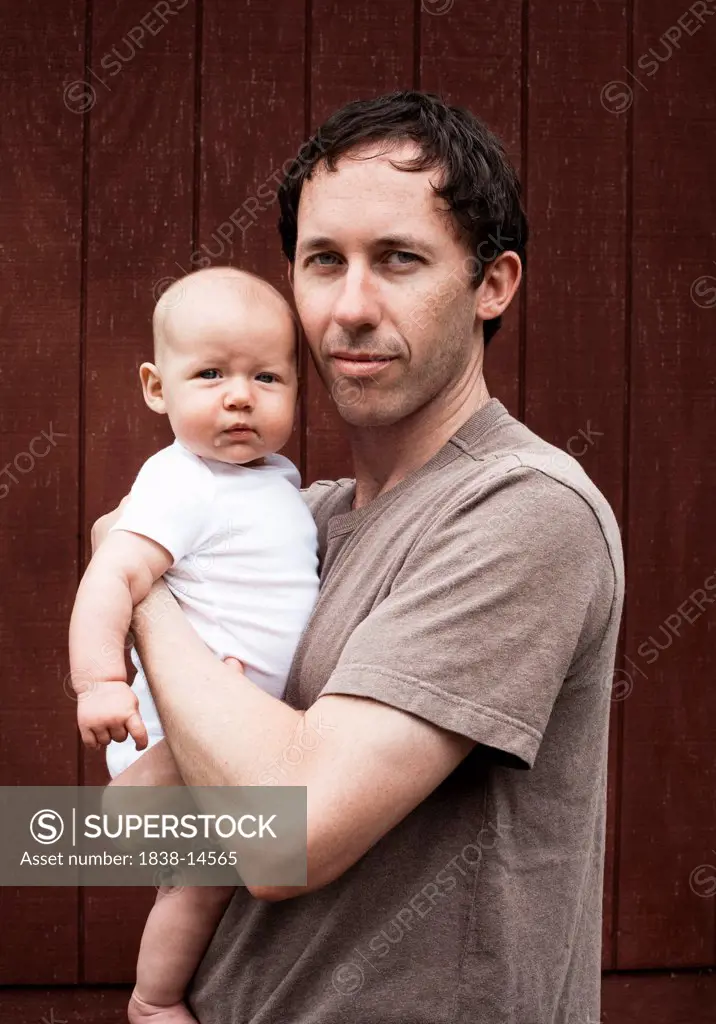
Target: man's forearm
pixel 222 729
pixel 365 764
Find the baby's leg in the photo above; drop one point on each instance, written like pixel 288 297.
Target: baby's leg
pixel 181 922
pixel 177 932
pixel 155 767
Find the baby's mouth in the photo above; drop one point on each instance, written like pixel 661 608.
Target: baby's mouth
pixel 235 434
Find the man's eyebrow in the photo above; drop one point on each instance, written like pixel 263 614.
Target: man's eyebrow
pixel 405 242
pixel 320 242
pixel 316 242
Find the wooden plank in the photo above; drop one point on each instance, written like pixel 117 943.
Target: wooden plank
pixel 40 257
pixel 115 920
pixel 64 1005
pixel 358 51
pixel 668 826
pixel 253 58
pixel 575 381
pixel 688 998
pixel 140 202
pixel 471 55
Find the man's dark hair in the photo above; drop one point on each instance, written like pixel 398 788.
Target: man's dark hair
pixel 478 182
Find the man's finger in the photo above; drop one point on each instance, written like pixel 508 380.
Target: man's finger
pixel 138 730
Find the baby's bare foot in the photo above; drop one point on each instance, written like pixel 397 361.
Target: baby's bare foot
pixel 140 1012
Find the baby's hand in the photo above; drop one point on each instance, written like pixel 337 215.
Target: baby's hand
pixel 109 711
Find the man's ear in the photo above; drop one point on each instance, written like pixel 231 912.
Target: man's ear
pixel 498 286
pixel 152 387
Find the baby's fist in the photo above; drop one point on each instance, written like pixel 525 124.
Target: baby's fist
pixel 110 711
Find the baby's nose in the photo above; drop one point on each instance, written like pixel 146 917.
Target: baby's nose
pixel 237 393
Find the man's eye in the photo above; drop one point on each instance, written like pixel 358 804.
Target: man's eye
pixel 320 256
pixel 410 257
pixel 209 374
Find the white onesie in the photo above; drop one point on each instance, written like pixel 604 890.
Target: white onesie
pixel 245 567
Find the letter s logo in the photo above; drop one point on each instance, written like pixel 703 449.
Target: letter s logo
pixel 46 826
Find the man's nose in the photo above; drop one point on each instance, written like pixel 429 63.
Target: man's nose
pixel 357 304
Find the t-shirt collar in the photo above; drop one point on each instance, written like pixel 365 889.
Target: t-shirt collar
pixel 345 519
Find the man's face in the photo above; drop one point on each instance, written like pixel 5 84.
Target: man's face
pixel 380 270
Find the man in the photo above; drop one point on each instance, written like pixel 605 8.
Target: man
pixel 450 694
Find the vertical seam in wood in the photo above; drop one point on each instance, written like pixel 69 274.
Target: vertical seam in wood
pixel 196 167
pixel 416 43
pixel 303 353
pixel 524 146
pixel 626 430
pixel 82 424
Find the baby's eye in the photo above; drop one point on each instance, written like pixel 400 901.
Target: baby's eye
pixel 207 374
pixel 267 374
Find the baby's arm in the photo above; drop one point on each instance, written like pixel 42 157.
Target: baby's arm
pixel 118 577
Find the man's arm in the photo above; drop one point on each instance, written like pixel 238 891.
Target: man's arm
pixel 371 766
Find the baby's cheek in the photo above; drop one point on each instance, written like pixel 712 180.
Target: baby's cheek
pixel 197 423
pixel 203 415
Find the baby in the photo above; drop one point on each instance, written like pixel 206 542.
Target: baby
pixel 220 516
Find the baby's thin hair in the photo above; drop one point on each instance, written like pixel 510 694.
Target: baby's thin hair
pixel 250 283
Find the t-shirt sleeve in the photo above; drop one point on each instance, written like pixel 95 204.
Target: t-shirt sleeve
pixel 484 618
pixel 170 502
pixel 317 492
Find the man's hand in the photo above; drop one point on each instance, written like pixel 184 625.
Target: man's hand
pixel 110 711
pixel 102 525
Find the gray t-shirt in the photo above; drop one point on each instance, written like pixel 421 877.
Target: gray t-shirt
pixel 482 593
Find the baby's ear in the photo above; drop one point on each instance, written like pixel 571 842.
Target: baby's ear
pixel 152 387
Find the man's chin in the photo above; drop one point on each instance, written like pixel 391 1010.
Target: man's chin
pixel 370 412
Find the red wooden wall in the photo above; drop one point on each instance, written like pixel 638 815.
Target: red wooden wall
pixel 128 144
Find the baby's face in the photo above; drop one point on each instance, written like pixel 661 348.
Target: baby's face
pixel 226 360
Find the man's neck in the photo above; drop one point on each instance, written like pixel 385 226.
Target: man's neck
pixel 383 456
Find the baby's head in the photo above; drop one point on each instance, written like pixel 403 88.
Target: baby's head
pixel 225 356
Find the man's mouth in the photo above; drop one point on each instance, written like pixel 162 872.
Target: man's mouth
pixel 361 357
pixel 361 364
